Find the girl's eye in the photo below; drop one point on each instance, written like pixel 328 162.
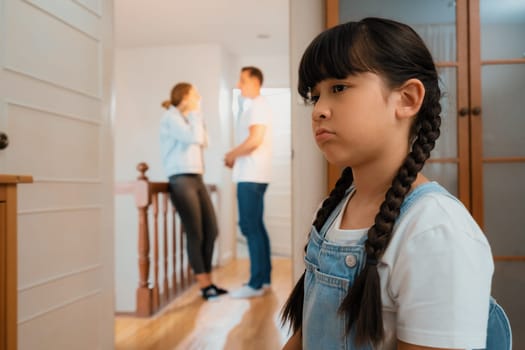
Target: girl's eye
pixel 338 88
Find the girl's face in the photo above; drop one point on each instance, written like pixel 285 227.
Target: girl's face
pixel 353 119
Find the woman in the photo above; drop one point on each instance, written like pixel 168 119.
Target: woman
pixel 182 139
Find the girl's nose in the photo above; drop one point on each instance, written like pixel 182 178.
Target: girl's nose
pixel 320 111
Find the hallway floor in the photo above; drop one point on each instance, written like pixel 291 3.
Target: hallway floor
pixel 190 323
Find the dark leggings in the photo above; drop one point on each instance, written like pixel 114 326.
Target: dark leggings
pixel 192 201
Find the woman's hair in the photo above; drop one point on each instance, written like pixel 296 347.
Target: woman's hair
pixel 396 53
pixel 178 93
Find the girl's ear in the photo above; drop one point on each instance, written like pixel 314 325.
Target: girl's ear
pixel 412 93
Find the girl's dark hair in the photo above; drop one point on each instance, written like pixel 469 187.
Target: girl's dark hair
pixel 178 93
pixel 395 52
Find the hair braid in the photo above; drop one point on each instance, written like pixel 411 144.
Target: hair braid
pixel 362 305
pixel 293 308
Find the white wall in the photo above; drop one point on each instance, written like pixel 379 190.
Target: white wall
pixel 144 78
pixel 276 69
pixel 308 165
pixel 227 216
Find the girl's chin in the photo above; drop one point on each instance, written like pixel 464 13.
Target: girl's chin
pixel 335 154
pixel 336 161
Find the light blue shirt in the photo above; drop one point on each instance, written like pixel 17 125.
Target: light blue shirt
pixel 181 142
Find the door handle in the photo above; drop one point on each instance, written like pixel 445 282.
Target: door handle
pixel 463 111
pixel 476 111
pixel 4 140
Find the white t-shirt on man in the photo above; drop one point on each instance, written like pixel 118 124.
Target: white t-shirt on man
pixel 256 166
pixel 435 274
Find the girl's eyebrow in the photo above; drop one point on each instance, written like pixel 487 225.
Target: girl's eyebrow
pixel 347 80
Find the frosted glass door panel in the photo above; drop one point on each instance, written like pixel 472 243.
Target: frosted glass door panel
pixel 503 106
pixel 504 198
pixel 435 21
pixel 502 19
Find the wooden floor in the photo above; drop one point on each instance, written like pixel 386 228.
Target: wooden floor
pixel 190 323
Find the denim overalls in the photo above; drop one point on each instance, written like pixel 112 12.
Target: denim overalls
pixel 331 269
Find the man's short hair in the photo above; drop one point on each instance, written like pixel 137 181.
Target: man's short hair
pixel 254 72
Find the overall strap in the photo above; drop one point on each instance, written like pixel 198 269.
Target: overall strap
pixel 410 199
pixel 421 190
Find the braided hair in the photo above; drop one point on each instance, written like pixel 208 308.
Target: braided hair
pixel 395 52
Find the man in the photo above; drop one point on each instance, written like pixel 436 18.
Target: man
pixel 251 163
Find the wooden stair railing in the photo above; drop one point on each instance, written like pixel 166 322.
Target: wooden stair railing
pixel 150 297
pixel 8 259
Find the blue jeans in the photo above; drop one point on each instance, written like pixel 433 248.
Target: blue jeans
pixel 250 198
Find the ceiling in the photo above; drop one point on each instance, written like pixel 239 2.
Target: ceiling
pixel 235 24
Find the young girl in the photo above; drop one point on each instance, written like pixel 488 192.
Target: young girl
pixel 182 139
pixel 393 260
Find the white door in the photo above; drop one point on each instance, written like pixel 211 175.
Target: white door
pixel 278 198
pixel 55 89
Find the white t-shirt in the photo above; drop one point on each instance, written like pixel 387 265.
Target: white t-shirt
pixel 256 166
pixel 435 275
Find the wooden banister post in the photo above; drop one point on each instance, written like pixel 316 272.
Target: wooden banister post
pixel 174 250
pixel 156 292
pixel 142 201
pixel 165 284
